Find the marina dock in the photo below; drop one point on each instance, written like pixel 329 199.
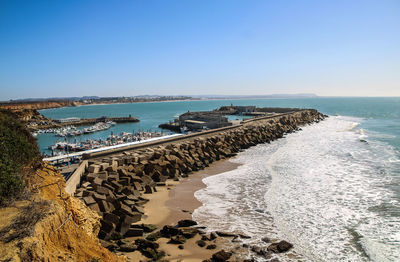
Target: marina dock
pixel 61 158
pixel 82 122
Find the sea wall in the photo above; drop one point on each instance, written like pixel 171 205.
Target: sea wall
pixel 75 178
pixel 114 185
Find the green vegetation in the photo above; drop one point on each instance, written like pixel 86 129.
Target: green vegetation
pixel 17 149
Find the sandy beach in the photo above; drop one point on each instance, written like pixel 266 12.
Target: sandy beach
pixel 181 200
pixel 174 202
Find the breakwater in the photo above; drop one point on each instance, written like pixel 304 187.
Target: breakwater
pixel 114 185
pixel 83 122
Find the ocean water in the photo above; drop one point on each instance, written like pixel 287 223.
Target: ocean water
pixel 332 189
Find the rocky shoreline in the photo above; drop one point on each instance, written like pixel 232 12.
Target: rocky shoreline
pixel 116 186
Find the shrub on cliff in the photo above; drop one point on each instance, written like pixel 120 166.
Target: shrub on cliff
pixel 17 149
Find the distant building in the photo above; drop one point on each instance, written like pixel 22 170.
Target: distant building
pixel 203 120
pixel 195 125
pixel 236 110
pixel 244 109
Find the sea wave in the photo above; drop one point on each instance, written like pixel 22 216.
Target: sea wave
pixel 333 196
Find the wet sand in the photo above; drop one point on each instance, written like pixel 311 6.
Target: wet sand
pixel 181 200
pixel 176 200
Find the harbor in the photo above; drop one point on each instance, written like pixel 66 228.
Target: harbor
pixel 68 153
pixel 65 149
pixel 73 131
pixel 69 158
pixel 67 140
pixel 220 117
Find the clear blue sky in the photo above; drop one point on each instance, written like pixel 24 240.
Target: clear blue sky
pixel 126 48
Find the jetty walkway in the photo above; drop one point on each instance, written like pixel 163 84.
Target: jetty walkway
pixel 103 151
pixel 169 139
pixel 106 149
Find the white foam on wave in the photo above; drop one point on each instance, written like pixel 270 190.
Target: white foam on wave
pixel 327 192
pixel 331 195
pixel 233 201
pixel 231 195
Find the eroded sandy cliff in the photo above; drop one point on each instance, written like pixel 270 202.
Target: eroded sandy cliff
pixel 52 226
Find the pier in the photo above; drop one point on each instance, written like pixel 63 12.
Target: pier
pixel 206 120
pixel 56 159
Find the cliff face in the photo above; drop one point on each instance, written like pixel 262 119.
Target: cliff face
pixel 38 105
pixel 51 226
pixel 38 220
pixel 29 114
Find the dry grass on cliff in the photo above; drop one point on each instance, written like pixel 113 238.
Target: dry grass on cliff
pixel 51 226
pixel 23 225
pixel 39 221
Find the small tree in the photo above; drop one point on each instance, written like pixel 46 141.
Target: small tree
pixel 18 148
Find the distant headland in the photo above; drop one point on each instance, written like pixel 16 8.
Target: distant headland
pixel 56 102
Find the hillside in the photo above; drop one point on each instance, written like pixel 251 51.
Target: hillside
pixel 39 220
pixel 37 105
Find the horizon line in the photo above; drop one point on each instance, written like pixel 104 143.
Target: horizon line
pixel 215 97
